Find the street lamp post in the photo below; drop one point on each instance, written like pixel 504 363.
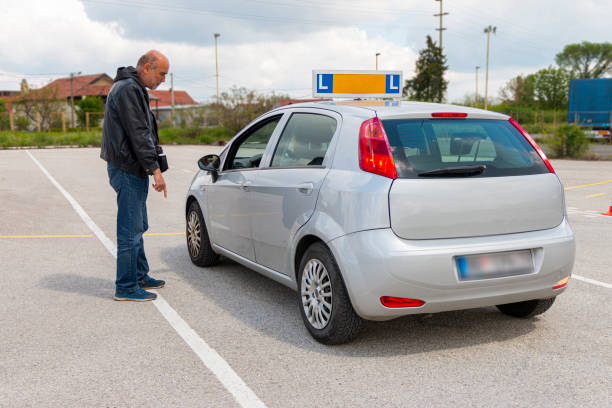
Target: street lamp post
pixel 377 54
pixel 476 97
pixel 217 35
pixel 488 31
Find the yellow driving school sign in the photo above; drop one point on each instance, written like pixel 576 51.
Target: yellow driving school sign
pixel 356 84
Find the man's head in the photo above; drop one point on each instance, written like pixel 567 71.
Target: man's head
pixel 152 68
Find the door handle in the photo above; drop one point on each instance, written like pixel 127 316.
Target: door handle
pixel 305 188
pixel 245 186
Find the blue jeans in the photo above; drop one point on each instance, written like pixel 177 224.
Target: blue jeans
pixel 132 222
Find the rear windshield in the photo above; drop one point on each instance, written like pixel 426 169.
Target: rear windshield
pixel 425 145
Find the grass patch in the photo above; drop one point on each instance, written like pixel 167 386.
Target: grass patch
pixel 41 139
pixel 194 135
pixel 94 137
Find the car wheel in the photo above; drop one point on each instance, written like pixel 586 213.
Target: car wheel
pixel 324 302
pixel 528 308
pixel 198 243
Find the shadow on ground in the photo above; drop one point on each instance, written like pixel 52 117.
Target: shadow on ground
pixel 73 283
pixel 272 308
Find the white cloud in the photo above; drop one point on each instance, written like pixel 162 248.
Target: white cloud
pixel 63 36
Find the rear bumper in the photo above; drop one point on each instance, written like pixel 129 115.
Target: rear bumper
pixel 378 263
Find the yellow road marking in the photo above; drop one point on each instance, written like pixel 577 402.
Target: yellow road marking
pixel 595 195
pixel 589 185
pixel 47 236
pixel 79 235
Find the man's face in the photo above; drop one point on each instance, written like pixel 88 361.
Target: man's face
pixel 152 77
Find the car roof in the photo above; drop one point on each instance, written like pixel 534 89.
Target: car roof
pixel 398 109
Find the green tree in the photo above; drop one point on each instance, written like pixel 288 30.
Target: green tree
pixel 40 103
pixel 520 90
pixel 4 117
pixel 428 83
pixel 552 87
pixel 89 104
pixel 568 141
pixel 586 60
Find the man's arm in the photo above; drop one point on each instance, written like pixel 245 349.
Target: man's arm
pixel 133 115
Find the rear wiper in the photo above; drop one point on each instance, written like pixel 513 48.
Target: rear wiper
pixel 462 171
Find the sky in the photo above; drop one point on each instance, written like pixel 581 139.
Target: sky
pixel 273 45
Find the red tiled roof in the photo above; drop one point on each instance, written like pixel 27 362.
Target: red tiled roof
pixel 81 85
pixel 165 98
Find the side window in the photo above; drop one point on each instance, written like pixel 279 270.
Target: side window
pixel 304 140
pixel 250 149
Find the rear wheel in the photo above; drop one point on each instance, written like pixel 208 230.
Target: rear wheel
pixel 528 308
pixel 324 302
pixel 198 243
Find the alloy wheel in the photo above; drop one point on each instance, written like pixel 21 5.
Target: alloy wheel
pixel 316 293
pixel 193 234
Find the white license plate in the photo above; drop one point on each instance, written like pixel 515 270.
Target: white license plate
pixel 495 265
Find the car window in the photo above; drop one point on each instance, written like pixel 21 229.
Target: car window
pixel 250 150
pixel 419 146
pixel 304 140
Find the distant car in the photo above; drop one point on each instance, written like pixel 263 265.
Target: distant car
pixel 375 212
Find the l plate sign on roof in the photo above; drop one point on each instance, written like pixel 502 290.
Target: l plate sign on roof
pixel 357 84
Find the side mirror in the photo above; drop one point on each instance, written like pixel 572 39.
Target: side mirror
pixel 211 163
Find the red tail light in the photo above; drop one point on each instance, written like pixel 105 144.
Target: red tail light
pixel 391 301
pixel 449 115
pixel 533 144
pixel 374 150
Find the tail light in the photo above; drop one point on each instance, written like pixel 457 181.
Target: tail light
pixel 374 150
pixel 533 144
pixel 392 301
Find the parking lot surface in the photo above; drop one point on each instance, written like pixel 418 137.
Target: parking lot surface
pixel 65 342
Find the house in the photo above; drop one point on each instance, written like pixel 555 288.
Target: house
pixel 161 103
pixel 82 86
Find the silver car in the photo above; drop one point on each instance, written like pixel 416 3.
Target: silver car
pixel 386 209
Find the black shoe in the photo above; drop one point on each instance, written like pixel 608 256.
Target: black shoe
pixel 150 283
pixel 136 296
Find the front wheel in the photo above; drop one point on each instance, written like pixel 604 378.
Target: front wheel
pixel 198 243
pixel 528 308
pixel 324 302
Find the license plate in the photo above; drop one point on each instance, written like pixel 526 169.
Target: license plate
pixel 495 265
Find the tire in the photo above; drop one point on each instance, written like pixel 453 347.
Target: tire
pixel 319 281
pixel 198 243
pixel 527 308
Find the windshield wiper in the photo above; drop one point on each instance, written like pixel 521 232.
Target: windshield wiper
pixel 462 171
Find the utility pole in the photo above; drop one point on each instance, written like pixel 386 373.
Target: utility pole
pixel 441 28
pixel 488 31
pixel 217 35
pixel 72 74
pixel 377 54
pixel 476 97
pixel 172 98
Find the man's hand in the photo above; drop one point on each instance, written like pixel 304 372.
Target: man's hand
pixel 159 185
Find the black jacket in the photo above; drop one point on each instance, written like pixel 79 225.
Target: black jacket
pixel 129 134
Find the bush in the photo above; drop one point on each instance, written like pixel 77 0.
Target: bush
pixel 568 141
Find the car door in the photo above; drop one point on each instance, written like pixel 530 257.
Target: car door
pixel 284 192
pixel 227 198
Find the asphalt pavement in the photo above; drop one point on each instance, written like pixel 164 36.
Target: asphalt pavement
pixel 237 339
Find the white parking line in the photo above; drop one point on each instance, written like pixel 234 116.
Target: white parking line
pixel 592 281
pixel 215 363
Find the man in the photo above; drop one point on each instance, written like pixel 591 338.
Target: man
pixel 129 137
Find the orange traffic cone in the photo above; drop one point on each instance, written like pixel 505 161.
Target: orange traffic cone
pixel 609 213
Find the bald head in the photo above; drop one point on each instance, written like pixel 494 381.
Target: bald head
pixel 152 68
